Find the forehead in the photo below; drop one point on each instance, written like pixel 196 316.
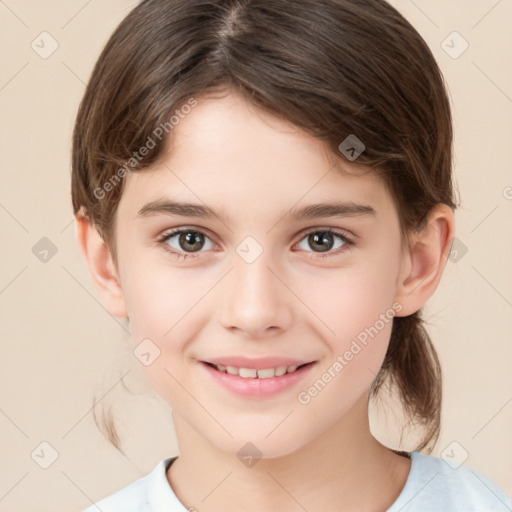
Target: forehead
pixel 235 158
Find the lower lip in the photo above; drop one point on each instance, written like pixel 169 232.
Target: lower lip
pixel 256 387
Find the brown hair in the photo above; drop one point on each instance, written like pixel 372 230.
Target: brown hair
pixel 330 67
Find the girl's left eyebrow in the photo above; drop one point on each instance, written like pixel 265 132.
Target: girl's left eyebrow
pixel 335 209
pixel 313 211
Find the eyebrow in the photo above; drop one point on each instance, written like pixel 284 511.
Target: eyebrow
pixel 314 211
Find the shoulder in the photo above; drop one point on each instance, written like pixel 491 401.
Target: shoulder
pixel 142 495
pixel 435 485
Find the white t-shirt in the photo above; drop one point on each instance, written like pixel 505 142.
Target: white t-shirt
pixel 432 486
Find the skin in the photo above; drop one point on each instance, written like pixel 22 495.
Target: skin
pixel 253 169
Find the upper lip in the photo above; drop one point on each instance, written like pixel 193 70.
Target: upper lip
pixel 259 363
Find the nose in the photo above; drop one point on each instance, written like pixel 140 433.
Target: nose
pixel 255 299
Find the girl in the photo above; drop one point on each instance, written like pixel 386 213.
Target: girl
pixel 305 148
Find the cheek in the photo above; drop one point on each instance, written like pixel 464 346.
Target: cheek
pixel 355 308
pixel 165 306
pixel 161 299
pixel 350 300
pixel 161 305
pixel 361 319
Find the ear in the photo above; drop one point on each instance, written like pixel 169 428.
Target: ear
pixel 101 266
pixel 423 265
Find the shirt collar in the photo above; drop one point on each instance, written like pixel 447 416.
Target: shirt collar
pixel 161 497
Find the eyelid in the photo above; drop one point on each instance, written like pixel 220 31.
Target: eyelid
pixel 174 231
pixel 338 231
pixel 306 231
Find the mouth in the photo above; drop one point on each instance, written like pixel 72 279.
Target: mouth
pixel 254 373
pixel 257 383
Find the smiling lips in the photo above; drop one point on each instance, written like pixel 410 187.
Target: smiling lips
pixel 253 373
pixel 257 378
pixel 263 368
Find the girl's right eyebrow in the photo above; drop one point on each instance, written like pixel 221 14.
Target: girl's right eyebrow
pixel 170 207
pixel 313 211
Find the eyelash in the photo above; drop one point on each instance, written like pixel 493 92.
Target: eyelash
pixel 168 235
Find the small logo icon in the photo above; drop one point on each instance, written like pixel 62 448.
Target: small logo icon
pixel 44 45
pixel 44 250
pixel 146 351
pixel 454 45
pixel 249 454
pixel 458 250
pixel 249 249
pixel 351 147
pixel 44 455
pixel 454 455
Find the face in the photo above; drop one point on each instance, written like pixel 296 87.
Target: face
pixel 256 285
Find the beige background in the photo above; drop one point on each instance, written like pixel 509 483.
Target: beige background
pixel 59 345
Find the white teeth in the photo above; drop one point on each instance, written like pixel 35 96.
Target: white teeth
pixel 266 374
pixel 280 370
pixel 250 373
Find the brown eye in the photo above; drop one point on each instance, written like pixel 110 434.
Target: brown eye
pixel 324 241
pixel 185 241
pixel 190 241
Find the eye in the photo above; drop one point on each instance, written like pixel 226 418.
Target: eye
pixel 187 241
pixel 323 240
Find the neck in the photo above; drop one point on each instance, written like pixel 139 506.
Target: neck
pixel 346 466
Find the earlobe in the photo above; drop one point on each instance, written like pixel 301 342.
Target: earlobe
pixel 423 265
pixel 101 266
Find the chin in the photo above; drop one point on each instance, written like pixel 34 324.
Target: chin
pixel 254 445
